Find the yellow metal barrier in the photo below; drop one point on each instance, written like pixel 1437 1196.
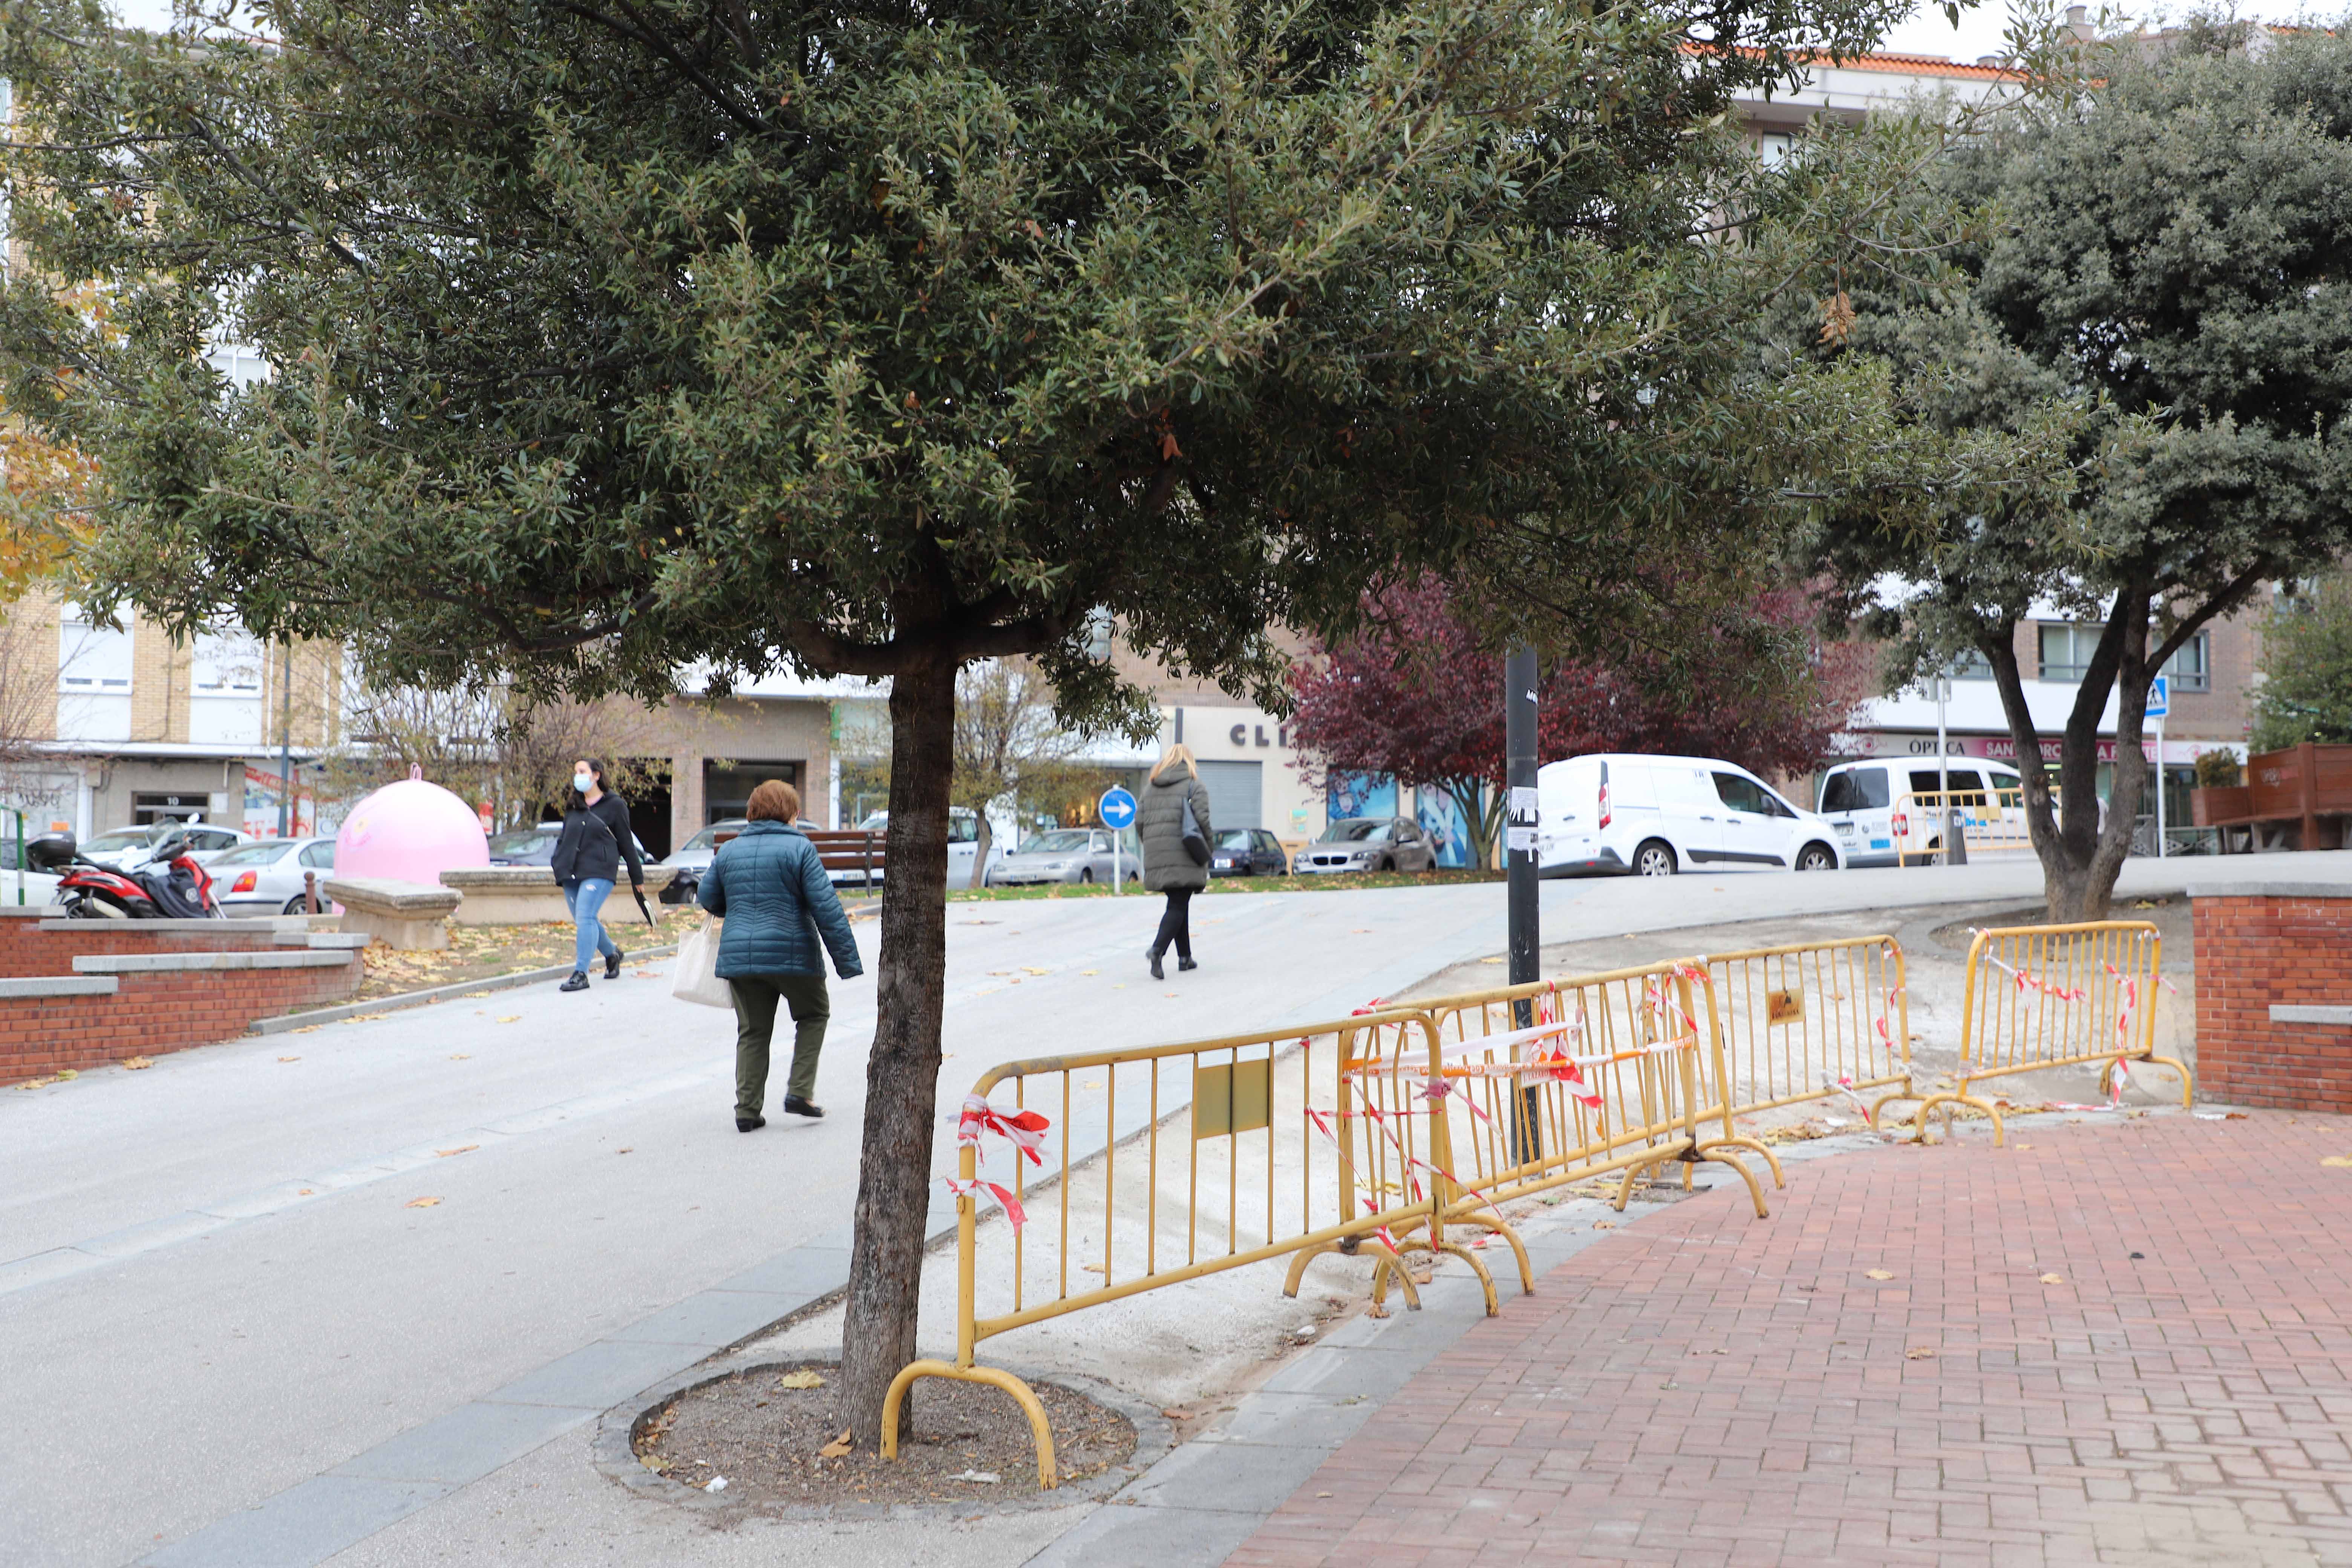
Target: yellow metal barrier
pixel 2047 997
pixel 1240 1149
pixel 1610 1077
pixel 1811 1021
pixel 1992 822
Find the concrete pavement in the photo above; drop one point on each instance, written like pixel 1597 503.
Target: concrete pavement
pixel 215 1291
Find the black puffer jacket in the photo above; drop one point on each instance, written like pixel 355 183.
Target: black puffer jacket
pixel 594 840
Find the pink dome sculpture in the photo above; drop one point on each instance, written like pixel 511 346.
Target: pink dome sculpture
pixel 411 831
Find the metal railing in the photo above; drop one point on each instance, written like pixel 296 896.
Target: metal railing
pixel 1993 822
pixel 2050 996
pixel 1812 1021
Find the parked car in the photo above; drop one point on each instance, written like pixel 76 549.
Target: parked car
pixel 265 877
pixel 536 846
pixel 37 886
pixel 1369 844
pixel 1862 800
pixel 693 857
pixel 127 846
pixel 1064 854
pixel 1655 815
pixel 963 846
pixel 1248 852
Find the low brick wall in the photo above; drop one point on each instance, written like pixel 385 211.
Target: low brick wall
pixel 117 1009
pixel 2282 946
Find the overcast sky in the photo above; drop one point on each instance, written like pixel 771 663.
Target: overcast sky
pixel 1926 33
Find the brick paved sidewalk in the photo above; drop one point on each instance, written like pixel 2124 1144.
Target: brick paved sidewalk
pixel 1707 1388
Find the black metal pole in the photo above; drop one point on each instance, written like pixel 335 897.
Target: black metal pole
pixel 1520 864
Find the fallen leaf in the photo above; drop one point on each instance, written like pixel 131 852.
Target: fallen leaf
pixel 630 1149
pixel 473 996
pixel 421 1203
pixel 138 1064
pixel 2054 1280
pixel 1920 1352
pixel 1876 1274
pixel 838 1447
pixel 462 1056
pixel 653 1462
pixel 305 1193
pixel 801 1379
pixel 1094 1268
pixel 2341 1162
pixel 1090 972
pixel 511 1018
pixel 461 1149
pixel 1490 961
pixel 1174 1414
pixel 1604 1225
pixel 289 1059
pixel 1032 969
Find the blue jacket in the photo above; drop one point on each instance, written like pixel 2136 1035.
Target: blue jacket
pixel 770 885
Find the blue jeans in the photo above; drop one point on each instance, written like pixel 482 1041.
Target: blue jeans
pixel 586 896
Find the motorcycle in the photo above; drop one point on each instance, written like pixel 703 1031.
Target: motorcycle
pixel 169 886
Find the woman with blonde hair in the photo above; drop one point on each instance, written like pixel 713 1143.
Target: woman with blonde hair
pixel 1173 821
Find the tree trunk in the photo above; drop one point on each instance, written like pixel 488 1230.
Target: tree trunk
pixel 979 851
pixel 1480 816
pixel 894 1187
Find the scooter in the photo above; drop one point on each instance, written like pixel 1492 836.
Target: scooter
pixel 169 886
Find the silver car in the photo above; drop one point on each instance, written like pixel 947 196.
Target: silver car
pixel 265 877
pixel 125 847
pixel 1065 854
pixel 1368 843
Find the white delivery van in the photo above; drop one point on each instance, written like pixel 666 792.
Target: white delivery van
pixel 1657 816
pixel 1868 804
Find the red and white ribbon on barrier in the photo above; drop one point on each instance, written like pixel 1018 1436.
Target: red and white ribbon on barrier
pixel 1003 1196
pixel 2033 983
pixel 1025 1129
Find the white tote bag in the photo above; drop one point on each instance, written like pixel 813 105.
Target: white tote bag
pixel 696 976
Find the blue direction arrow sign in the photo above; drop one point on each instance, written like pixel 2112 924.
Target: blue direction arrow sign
pixel 1117 807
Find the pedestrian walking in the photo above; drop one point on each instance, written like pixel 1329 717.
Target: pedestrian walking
pixel 587 860
pixel 769 884
pixel 1173 821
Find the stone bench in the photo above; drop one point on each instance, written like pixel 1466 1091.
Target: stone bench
pixel 529 895
pixel 411 915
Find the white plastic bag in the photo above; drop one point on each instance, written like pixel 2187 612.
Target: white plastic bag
pixel 697 975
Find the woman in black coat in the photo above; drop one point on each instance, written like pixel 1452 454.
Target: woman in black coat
pixel 587 861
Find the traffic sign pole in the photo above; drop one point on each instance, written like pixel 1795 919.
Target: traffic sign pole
pixel 2159 703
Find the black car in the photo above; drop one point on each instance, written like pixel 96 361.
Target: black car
pixel 1248 852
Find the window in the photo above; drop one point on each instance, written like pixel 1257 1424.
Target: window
pixel 1856 789
pixel 1741 795
pixel 2066 650
pixel 1774 147
pixel 1970 664
pixel 91 660
pixel 226 664
pixel 2191 669
pixel 321 854
pixel 1968 784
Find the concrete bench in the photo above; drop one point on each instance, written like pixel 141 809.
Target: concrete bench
pixel 411 915
pixel 529 895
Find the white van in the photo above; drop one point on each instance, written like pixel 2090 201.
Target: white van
pixel 1655 815
pixel 1865 800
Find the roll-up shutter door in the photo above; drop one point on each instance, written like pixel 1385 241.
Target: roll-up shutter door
pixel 1235 795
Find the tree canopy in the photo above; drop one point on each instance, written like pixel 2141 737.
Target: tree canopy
pixel 2130 408
pixel 2306 689
pixel 609 338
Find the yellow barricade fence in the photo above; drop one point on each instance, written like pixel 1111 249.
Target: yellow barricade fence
pixel 1992 822
pixel 1214 1154
pixel 2048 996
pixel 1812 1021
pixel 1609 1075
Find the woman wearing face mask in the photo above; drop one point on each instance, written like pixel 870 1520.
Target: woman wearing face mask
pixel 587 861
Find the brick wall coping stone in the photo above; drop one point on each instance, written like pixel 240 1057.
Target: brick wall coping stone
pixel 534 877
pixel 42 910
pixel 62 985
pixel 391 895
pixel 318 940
pixel 178 928
pixel 2296 1012
pixel 155 962
pixel 2270 889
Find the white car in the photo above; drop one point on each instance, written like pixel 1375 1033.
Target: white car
pixel 1653 816
pixel 265 877
pixel 126 848
pixel 963 846
pixel 1864 802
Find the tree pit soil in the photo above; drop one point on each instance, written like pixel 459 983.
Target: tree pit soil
pixel 2168 913
pixel 767 1439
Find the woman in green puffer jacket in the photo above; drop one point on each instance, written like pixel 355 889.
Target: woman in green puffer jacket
pixel 1167 865
pixel 769 884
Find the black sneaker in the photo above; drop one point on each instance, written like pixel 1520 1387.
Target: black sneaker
pixel 578 982
pixel 613 964
pixel 749 1123
pixel 799 1107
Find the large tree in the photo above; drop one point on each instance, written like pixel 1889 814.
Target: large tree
pixel 2306 689
pixel 612 336
pixel 2136 397
pixel 1415 691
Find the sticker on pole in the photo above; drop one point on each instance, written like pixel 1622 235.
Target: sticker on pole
pixel 2160 697
pixel 1117 807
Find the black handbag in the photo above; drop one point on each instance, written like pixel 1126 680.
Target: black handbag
pixel 1196 844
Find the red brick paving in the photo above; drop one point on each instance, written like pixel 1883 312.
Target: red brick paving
pixel 1705 1388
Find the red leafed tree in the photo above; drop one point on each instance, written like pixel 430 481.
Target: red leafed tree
pixel 1415 694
